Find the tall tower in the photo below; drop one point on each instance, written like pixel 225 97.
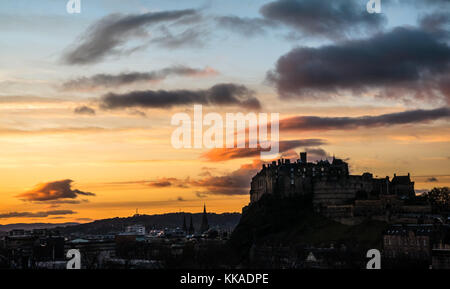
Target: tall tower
pixel 204 227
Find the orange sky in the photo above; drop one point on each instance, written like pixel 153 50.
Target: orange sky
pixel 86 100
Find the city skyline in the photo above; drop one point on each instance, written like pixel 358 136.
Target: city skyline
pixel 86 100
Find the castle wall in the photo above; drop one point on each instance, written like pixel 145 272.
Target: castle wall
pixel 327 193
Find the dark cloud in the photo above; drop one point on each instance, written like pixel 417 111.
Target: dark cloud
pixel 331 19
pixel 223 154
pixel 219 94
pixel 437 23
pixel 432 180
pixel 109 80
pixel 36 214
pixel 404 58
pixel 245 26
pixel 109 35
pixel 53 191
pixel 84 110
pixel 305 123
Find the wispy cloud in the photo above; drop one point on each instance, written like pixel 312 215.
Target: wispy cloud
pixel 110 34
pixel 127 78
pixel 307 123
pixel 42 214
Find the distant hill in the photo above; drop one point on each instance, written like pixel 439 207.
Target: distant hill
pixel 170 220
pixel 31 226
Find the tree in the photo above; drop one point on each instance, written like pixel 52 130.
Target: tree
pixel 439 199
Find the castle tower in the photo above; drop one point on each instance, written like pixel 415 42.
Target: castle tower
pixel 191 227
pixel 204 227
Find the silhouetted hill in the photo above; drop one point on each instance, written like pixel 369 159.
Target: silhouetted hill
pixel 31 226
pixel 170 220
pixel 292 221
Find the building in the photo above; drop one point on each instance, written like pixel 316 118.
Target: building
pixel 135 229
pixel 424 242
pixel 409 241
pixel 440 259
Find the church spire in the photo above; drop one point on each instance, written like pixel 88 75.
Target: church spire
pixel 205 226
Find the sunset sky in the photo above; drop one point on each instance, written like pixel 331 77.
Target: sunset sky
pixel 86 100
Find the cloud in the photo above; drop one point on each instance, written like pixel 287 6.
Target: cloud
pixel 126 78
pixel 330 19
pixel 432 180
pixel 236 182
pixel 306 123
pixel 53 191
pixel 163 182
pixel 437 23
pixel 200 195
pixel 84 110
pixel 84 219
pixel 109 35
pixel 43 214
pixel 192 37
pixel 399 61
pixel 245 26
pixel 223 154
pixel 219 94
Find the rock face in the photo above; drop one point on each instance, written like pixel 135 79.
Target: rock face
pixel 273 226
